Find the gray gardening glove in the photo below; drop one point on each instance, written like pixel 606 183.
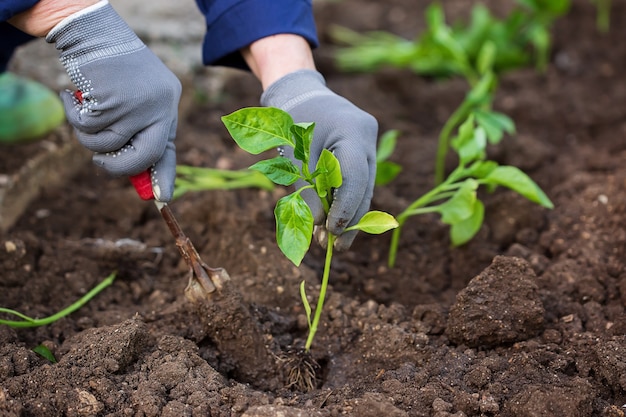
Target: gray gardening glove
pixel 129 107
pixel 342 128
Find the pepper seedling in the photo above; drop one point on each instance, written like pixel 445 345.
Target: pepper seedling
pixel 455 199
pixel 478 51
pixel 258 129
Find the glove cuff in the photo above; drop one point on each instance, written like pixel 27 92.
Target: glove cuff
pixel 93 33
pixel 295 88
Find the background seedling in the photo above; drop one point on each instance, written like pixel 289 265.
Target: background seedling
pixel 442 50
pixel 386 171
pixel 477 51
pixel 455 199
pixel 258 129
pixel 32 322
pixel 189 179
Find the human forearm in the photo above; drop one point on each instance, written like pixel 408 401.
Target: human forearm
pixel 273 57
pixel 43 16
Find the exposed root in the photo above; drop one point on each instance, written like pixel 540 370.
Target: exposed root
pixel 300 370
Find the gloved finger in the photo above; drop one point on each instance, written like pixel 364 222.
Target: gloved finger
pixel 163 174
pixel 355 191
pixel 103 141
pixel 164 170
pixel 93 137
pixel 76 114
pixel 137 155
pixel 344 241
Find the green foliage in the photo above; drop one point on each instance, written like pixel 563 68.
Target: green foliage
pixel 189 179
pixel 603 14
pixel 386 171
pixel 44 352
pixel 32 322
pixel 453 50
pixel 258 129
pixel 455 199
pixel 477 50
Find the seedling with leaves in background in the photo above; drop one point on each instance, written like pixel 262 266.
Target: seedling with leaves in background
pixel 442 50
pixel 386 170
pixel 455 199
pixel 478 52
pixel 258 129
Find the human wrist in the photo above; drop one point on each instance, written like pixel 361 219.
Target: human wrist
pixel 273 57
pixel 46 14
pixel 92 32
pixel 294 88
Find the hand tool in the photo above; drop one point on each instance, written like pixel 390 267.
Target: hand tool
pixel 200 273
pixel 206 276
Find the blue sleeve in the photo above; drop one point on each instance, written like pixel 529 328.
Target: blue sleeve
pixel 9 8
pixel 234 24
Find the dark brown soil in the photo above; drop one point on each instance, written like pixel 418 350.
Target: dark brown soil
pixel 526 320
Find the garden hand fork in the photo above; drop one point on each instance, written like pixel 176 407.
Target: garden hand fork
pixel 200 273
pixel 201 276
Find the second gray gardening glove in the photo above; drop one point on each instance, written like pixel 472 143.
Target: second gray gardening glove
pixel 342 128
pixel 129 108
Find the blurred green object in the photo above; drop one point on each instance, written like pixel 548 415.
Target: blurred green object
pixel 28 109
pixel 444 50
pixel 189 178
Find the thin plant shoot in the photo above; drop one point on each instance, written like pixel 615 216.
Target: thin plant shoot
pixel 27 321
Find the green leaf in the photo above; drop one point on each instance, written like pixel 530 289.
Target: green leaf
pixel 303 134
pixel 463 231
pixel 461 205
pixel 481 91
pixel 471 142
pixel 386 171
pixel 486 57
pixel 466 130
pixel 434 16
pixel 375 222
pixel 474 148
pixel 257 129
pixel 329 173
pixel 280 170
pixel 495 124
pixel 294 227
pixel 386 145
pixel 481 169
pixel 305 302
pixel 515 179
pixel 540 39
pixel 43 351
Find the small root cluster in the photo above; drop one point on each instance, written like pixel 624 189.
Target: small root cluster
pixel 300 371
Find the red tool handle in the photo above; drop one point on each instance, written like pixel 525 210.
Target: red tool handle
pixel 143 185
pixel 142 181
